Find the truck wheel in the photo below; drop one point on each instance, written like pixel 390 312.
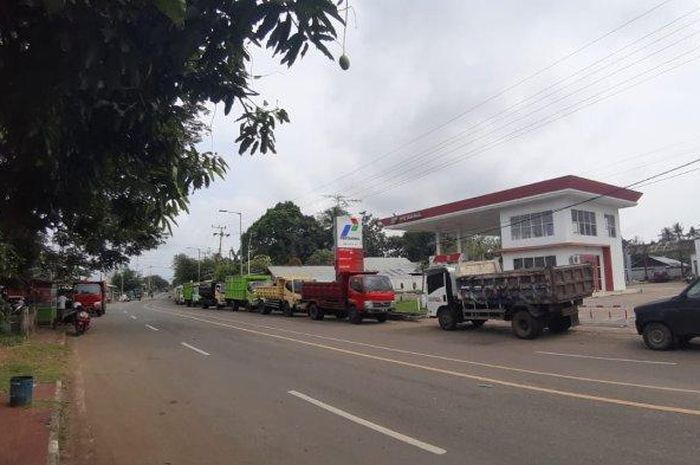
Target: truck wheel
pixel 447 318
pixel 477 323
pixel 265 310
pixel 658 336
pixel 355 316
pixel 286 309
pixel 315 313
pixel 560 324
pixel 525 326
pixel 381 318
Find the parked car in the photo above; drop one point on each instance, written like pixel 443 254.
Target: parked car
pixel 670 322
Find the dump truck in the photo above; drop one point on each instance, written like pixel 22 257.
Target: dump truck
pixel 357 295
pixel 283 295
pixel 531 299
pixel 239 290
pixel 190 293
pixel 211 294
pixel 177 295
pixel 92 295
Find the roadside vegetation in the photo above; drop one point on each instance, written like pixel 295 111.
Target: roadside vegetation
pixel 43 357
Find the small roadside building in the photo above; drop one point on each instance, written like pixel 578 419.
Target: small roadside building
pixel 559 221
pixel 399 270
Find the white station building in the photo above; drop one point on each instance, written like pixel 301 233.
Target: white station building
pixel 555 222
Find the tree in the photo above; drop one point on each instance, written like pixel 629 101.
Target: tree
pixel 187 269
pixel 326 219
pixel 678 231
pixel 373 237
pixel 260 264
pixel 224 268
pixel 693 233
pixel 416 246
pixel 667 235
pixel 284 232
pixel 127 280
pixel 480 247
pixel 102 105
pixel 321 257
pixel 157 283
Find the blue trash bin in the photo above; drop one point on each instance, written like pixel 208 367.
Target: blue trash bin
pixel 21 389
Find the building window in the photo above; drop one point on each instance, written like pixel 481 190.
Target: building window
pixel 534 262
pixel 610 225
pixel 584 223
pixel 532 225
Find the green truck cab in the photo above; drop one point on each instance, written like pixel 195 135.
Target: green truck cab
pixel 190 293
pixel 239 290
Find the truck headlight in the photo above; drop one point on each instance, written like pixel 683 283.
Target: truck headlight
pixel 368 304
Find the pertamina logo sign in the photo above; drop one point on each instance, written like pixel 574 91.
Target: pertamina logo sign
pixel 348 232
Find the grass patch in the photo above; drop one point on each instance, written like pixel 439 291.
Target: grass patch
pixel 46 361
pixel 408 306
pixel 9 340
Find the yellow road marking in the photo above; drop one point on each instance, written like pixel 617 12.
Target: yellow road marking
pixel 484 379
pixel 459 360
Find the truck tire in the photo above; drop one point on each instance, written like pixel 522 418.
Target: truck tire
pixel 381 318
pixel 265 310
pixel 560 324
pixel 355 316
pixel 286 309
pixel 234 306
pixel 525 326
pixel 658 336
pixel 315 313
pixel 477 323
pixel 448 318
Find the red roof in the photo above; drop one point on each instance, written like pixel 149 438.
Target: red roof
pixel 517 193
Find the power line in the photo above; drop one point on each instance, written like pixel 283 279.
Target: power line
pixel 546 120
pixel 494 96
pixel 493 131
pixel 639 183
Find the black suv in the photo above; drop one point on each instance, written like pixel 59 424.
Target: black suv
pixel 670 322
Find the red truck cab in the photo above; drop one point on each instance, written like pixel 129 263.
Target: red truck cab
pixel 356 295
pixel 92 296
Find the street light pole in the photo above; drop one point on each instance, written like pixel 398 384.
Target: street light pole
pixel 240 236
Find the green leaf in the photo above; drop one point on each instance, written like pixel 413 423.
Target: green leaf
pixel 173 9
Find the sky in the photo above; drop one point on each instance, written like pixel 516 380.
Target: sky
pixel 446 100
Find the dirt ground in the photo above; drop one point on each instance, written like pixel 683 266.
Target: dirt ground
pixel 644 292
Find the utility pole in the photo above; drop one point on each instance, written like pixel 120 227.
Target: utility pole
pixel 221 235
pixel 341 201
pixel 240 234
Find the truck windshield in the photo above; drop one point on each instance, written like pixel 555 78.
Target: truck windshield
pixel 85 288
pixel 376 283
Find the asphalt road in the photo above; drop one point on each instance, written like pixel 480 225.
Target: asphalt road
pixel 161 384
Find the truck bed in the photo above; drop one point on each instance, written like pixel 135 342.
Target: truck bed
pixel 324 293
pixel 537 286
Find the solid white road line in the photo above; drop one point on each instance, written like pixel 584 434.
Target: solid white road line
pixel 451 359
pixel 474 377
pixel 368 424
pixel 194 348
pixel 152 328
pixel 611 359
pixel 132 317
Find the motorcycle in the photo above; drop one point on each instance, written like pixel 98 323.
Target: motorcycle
pixel 78 317
pixel 82 322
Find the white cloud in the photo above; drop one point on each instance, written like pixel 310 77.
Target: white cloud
pixel 416 64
